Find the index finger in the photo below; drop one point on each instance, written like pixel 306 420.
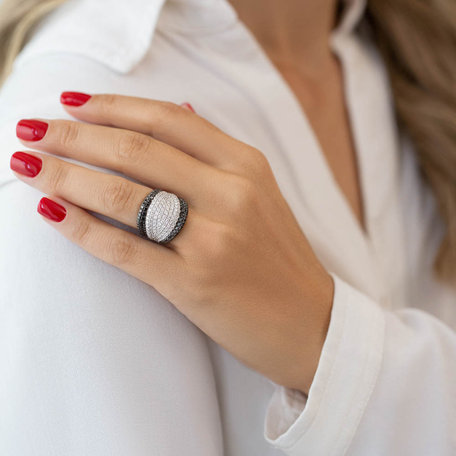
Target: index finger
pixel 165 121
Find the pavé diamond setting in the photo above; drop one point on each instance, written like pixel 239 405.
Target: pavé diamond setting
pixel 161 216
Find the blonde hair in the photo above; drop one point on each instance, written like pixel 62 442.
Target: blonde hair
pixel 17 21
pixel 418 43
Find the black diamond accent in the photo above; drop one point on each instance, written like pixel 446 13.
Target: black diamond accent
pixel 141 218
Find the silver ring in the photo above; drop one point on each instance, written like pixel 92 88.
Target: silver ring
pixel 161 216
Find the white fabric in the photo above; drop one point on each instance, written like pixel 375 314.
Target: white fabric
pixel 95 362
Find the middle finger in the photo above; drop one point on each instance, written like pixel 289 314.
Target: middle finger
pixel 139 156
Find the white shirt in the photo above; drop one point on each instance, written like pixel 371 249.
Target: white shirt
pixel 95 362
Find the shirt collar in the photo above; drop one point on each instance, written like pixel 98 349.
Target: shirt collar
pixel 121 38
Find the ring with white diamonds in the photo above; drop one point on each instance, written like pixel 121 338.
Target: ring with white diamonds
pixel 161 216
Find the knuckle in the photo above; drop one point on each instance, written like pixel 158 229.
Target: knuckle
pixel 222 238
pixel 107 102
pixel 69 132
pixel 254 163
pixel 243 194
pixel 121 251
pixel 259 160
pixel 130 146
pixel 81 232
pixel 57 178
pixel 204 276
pixel 167 111
pixel 117 196
pixel 218 242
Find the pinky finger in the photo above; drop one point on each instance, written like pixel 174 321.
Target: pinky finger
pixel 150 262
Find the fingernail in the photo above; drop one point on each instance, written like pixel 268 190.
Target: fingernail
pixel 51 210
pixel 25 164
pixel 188 106
pixel 31 130
pixel 74 98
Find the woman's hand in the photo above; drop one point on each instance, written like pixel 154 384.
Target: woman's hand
pixel 240 269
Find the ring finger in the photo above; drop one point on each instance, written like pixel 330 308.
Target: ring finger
pixel 113 196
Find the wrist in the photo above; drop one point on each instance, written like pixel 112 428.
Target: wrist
pixel 320 316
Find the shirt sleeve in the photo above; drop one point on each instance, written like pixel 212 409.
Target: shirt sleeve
pixel 385 384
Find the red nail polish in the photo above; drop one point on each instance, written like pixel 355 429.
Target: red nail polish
pixel 51 210
pixel 30 129
pixel 25 164
pixel 188 106
pixel 74 98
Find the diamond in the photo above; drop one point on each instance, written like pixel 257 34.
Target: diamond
pixel 162 215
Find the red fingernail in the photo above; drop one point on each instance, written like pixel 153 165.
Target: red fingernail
pixel 74 98
pixel 31 130
pixel 51 209
pixel 25 164
pixel 188 106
